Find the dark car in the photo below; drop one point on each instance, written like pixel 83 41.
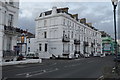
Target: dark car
pixel 20 57
pixel 117 58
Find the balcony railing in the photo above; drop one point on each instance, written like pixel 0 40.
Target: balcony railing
pixel 98 44
pixel 76 52
pixel 92 44
pixel 9 53
pixel 65 39
pixel 12 30
pixel 9 30
pixel 76 41
pixel 86 43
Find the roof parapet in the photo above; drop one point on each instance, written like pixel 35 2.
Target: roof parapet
pixel 89 24
pixel 63 9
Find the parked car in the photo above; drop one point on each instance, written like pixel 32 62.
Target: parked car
pixel 20 57
pixel 32 55
pixel 102 55
pixel 117 58
pixel 87 55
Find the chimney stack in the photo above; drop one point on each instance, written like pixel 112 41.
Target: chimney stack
pixel 83 20
pixel 75 16
pixel 54 10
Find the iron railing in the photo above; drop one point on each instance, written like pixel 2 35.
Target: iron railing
pixel 65 39
pixel 86 43
pixel 76 41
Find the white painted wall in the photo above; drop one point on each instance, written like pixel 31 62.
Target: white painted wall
pixel 32 45
pixel 55 24
pixel 5 10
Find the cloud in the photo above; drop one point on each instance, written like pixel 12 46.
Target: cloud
pixel 99 13
pixel 25 13
pixel 26 23
pixel 105 21
pixel 65 0
pixel 28 12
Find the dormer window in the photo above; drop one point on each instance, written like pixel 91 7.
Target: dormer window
pixel 11 2
pixel 6 2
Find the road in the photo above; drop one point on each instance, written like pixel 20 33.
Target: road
pixel 78 68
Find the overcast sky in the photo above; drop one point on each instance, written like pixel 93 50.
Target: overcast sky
pixel 100 14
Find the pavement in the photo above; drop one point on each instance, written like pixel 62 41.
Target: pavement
pixel 78 68
pixel 26 61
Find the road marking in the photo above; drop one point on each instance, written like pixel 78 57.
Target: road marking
pixel 34 71
pixel 76 60
pixel 80 59
pixel 53 64
pixel 101 78
pixel 20 66
pixel 23 67
pixel 41 73
pixel 27 74
pixel 72 65
pixel 90 61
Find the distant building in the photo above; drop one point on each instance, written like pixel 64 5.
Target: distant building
pixel 31 44
pixel 8 28
pixel 61 34
pixel 108 44
pixel 31 47
pixel 118 41
pixel 25 43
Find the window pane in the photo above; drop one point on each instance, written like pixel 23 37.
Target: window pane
pixel 39 47
pixel 45 47
pixel 45 34
pixel 11 2
pixel 10 20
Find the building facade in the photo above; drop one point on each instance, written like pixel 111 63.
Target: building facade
pixel 25 43
pixel 8 27
pixel 61 34
pixel 108 44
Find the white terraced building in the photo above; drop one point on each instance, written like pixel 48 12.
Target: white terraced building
pixel 9 10
pixel 61 34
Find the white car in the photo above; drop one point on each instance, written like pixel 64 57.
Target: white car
pixel 87 55
pixel 32 55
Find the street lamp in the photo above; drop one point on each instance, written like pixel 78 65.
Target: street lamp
pixel 115 2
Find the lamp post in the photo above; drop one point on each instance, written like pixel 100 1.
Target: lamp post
pixel 114 3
